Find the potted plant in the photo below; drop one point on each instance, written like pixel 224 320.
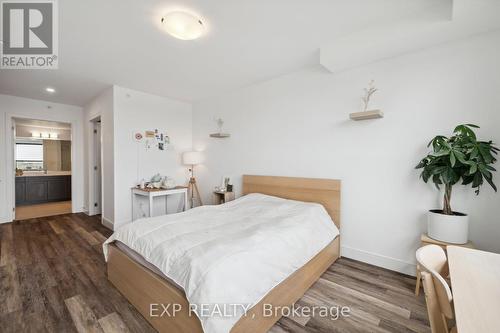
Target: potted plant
pixel 460 157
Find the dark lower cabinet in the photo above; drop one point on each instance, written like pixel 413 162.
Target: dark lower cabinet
pixel 36 190
pixel 56 189
pixel 20 191
pixel 40 189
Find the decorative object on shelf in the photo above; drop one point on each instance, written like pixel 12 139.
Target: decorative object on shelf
pixel 220 134
pixel 156 181
pixel 368 94
pixel 168 183
pixel 367 114
pixel 156 178
pixel 193 158
pixel 460 157
pixel 226 180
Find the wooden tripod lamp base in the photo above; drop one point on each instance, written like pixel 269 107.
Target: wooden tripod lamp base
pixel 193 158
pixel 193 188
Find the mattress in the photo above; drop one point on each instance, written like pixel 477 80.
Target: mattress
pixel 143 262
pixel 230 254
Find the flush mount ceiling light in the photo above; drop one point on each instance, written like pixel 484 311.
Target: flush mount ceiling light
pixel 183 25
pixel 50 90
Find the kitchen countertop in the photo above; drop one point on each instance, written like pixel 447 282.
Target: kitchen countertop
pixel 42 174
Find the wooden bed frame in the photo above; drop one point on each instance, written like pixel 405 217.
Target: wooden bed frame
pixel 142 287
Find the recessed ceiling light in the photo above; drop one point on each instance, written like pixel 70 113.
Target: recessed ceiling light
pixel 183 25
pixel 50 90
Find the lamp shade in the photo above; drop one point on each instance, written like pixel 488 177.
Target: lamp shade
pixel 192 157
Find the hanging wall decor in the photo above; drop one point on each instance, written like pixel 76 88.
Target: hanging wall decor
pixel 153 139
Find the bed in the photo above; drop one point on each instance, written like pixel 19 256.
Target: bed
pixel 144 285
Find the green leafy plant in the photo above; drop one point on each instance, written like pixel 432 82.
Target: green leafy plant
pixel 460 157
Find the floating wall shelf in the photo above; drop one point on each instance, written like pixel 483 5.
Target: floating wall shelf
pixel 220 135
pixel 373 114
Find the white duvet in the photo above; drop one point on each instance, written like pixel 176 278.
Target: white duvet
pixel 230 254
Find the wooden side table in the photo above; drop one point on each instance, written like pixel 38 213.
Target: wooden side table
pixel 222 197
pixel 426 240
pixel 151 193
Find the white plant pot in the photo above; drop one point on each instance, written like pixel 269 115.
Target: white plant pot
pixel 448 228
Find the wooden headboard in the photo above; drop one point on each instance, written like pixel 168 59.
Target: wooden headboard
pixel 323 191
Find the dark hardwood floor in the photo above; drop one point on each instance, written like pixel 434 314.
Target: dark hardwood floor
pixel 53 279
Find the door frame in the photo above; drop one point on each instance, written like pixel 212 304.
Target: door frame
pixel 10 161
pixel 92 151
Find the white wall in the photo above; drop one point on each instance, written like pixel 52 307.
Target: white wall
pixel 101 106
pixel 137 112
pixel 298 125
pixel 125 162
pixel 17 107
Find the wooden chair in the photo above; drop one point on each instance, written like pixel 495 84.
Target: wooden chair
pixel 438 296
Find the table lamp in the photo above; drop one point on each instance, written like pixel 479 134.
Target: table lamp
pixel 193 158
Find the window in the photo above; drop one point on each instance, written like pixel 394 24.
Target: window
pixel 29 156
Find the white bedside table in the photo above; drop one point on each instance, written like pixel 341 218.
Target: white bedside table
pixel 151 193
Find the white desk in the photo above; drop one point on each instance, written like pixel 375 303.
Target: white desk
pixel 475 284
pixel 152 193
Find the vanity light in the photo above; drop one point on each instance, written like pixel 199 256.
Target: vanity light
pixel 183 25
pixel 45 135
pixel 50 90
pixel 36 135
pixel 53 135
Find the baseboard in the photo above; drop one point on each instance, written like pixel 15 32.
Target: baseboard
pixel 379 260
pixel 5 219
pixel 107 223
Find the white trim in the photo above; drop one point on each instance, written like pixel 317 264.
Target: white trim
pixel 379 260
pixel 107 223
pixel 4 219
pixel 91 161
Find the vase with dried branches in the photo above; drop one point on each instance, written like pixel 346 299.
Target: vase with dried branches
pixel 368 94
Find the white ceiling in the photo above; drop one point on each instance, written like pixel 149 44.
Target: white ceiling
pixel 120 42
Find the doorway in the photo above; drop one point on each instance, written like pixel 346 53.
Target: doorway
pixel 42 158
